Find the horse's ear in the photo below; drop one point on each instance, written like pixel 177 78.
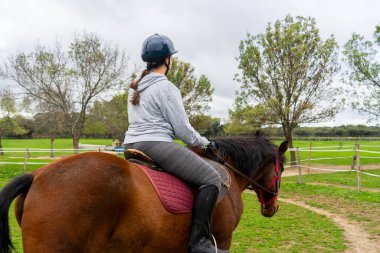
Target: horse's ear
pixel 283 147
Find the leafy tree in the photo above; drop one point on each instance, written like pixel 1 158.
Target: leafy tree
pixel 364 73
pixel 207 125
pixel 70 81
pixel 109 117
pixel 49 122
pixel 196 92
pixel 377 34
pixel 25 123
pixel 8 126
pixel 243 121
pixel 286 75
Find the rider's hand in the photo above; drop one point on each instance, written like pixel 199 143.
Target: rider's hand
pixel 211 146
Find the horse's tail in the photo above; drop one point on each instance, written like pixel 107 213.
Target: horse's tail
pixel 17 186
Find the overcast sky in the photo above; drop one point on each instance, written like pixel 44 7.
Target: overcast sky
pixel 205 32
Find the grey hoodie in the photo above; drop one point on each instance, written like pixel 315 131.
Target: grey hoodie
pixel 160 114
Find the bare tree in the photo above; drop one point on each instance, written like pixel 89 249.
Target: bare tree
pixel 68 81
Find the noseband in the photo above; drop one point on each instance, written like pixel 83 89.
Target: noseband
pixel 275 180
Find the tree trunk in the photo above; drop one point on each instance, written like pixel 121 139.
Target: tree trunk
pixel 52 139
pixel 288 133
pixel 1 148
pixel 76 142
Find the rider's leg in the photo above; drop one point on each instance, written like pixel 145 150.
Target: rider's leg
pixel 188 166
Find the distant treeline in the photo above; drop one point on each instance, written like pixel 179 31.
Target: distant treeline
pixel 214 128
pixel 353 131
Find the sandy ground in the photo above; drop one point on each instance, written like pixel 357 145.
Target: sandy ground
pixel 359 240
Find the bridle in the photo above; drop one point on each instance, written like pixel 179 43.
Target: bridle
pixel 275 180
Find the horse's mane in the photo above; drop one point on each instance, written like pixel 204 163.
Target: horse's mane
pixel 246 152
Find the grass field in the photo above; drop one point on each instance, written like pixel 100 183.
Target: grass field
pixel 293 229
pixel 338 152
pixel 337 193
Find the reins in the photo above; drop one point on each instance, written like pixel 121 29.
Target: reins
pixel 222 161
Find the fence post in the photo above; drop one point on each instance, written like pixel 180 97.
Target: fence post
pixel 358 165
pixel 25 159
pixel 299 166
pixel 309 163
pixel 27 151
pixel 353 162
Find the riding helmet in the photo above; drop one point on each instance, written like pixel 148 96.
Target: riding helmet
pixel 156 47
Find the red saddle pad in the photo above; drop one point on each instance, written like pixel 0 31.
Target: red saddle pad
pixel 174 194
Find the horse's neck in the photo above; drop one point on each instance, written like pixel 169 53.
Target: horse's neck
pixel 239 181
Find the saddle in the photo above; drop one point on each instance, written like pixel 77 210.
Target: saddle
pixel 175 194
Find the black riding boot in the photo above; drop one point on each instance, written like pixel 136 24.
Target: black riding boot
pixel 201 231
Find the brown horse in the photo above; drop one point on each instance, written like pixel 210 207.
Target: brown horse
pixel 98 202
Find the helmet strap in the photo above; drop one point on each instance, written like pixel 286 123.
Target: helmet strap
pixel 167 66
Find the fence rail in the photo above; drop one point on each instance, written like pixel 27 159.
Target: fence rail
pixel 355 157
pixel 355 164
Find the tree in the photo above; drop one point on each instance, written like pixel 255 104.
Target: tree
pixel 245 120
pixel 8 126
pixel 70 81
pixel 207 125
pixel 364 73
pixel 377 34
pixel 109 117
pixel 286 75
pixel 196 92
pixel 49 122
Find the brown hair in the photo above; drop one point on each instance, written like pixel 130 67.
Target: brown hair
pixel 134 84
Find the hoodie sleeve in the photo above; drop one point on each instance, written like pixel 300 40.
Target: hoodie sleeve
pixel 174 113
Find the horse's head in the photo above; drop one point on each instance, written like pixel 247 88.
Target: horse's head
pixel 268 181
pixel 258 165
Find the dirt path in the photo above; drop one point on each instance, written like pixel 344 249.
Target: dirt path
pixel 359 240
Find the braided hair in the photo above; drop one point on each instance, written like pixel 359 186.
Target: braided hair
pixel 135 83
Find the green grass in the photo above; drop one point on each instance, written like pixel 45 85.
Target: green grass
pixel 44 143
pixel 292 229
pixel 340 179
pixel 361 207
pixel 340 152
pixel 349 195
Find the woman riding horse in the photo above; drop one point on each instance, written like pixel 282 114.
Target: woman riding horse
pixel 156 116
pixel 97 202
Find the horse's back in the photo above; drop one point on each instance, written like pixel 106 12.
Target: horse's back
pixel 95 202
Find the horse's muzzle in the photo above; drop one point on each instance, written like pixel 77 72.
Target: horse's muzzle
pixel 269 212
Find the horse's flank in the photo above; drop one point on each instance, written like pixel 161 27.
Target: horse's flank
pixel 103 194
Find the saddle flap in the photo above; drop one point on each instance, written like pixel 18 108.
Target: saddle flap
pixel 136 155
